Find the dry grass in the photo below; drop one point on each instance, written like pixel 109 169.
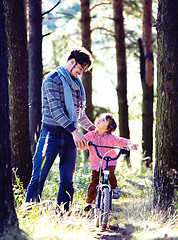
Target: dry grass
pixel 142 221
pixel 131 218
pixel 42 222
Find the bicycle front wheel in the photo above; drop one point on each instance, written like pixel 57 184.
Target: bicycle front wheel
pixel 104 208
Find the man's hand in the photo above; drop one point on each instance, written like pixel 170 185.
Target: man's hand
pixel 79 139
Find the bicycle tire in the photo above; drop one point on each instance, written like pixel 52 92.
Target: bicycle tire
pixel 104 208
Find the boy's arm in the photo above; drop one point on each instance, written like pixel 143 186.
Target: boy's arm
pixel 124 142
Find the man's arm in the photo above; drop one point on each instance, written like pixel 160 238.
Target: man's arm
pixel 85 123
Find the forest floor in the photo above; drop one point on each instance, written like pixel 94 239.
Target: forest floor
pixel 132 216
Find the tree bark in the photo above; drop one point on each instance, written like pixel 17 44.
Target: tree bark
pixel 18 88
pixel 8 216
pixel 35 70
pixel 86 42
pixel 147 84
pixel 121 71
pixel 166 165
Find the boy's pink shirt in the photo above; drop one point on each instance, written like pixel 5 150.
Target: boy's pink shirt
pixel 106 140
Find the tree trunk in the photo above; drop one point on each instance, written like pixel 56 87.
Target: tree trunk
pixel 86 42
pixel 166 166
pixel 18 80
pixel 147 84
pixel 121 71
pixel 8 216
pixel 35 70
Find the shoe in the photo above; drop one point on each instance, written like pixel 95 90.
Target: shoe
pixel 87 207
pixel 116 193
pixel 103 228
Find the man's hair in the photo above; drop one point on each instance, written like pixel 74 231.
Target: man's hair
pixel 112 123
pixel 83 57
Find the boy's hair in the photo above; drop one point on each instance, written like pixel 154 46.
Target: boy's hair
pixel 112 123
pixel 83 57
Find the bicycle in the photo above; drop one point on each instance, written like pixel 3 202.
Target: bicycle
pixel 104 195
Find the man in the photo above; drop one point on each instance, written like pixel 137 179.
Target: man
pixel 63 106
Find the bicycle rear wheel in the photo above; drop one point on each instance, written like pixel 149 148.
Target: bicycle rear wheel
pixel 104 208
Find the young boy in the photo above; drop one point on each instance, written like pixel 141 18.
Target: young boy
pixel 102 135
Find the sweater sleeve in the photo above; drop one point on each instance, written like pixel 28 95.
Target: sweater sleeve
pixel 86 123
pixel 121 142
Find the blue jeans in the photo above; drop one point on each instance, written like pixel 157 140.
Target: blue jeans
pixel 53 141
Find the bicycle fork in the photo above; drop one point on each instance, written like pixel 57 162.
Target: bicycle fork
pixel 100 190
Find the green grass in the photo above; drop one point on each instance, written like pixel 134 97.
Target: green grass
pixel 132 216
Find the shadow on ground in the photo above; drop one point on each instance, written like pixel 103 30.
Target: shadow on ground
pixel 117 233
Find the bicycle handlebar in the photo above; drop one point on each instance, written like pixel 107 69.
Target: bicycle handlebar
pixel 90 143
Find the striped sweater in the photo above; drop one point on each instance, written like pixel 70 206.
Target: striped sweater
pixel 53 106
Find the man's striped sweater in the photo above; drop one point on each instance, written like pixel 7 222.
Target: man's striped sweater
pixel 53 105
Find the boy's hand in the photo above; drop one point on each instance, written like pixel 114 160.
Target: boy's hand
pixel 134 146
